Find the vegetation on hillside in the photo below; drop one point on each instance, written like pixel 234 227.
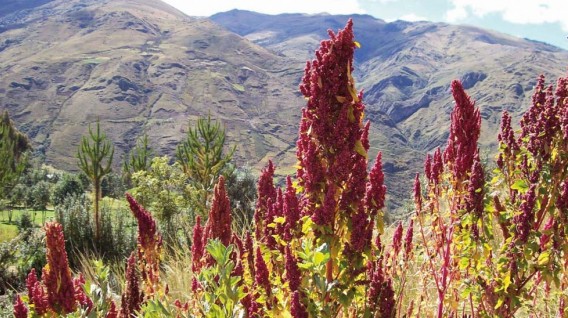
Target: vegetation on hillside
pixel 479 243
pixel 13 147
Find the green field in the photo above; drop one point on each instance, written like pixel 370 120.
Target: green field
pixel 8 230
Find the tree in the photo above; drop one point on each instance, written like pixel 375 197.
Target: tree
pixel 93 152
pixel 68 185
pixel 161 190
pixel 202 159
pixel 138 159
pixel 13 148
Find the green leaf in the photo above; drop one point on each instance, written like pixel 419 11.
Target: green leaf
pixel 217 250
pixel 320 258
pixel 520 185
pixel 544 259
pixel 464 263
pixel 307 224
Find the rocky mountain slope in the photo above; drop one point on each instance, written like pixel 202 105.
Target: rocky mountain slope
pixel 141 66
pixel 405 70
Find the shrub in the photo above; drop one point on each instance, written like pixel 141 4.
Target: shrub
pixel 113 186
pixel 18 256
pixel 68 185
pixel 25 222
pixel 241 189
pixel 117 237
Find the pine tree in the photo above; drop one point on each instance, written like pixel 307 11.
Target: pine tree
pixel 93 151
pixel 139 159
pixel 202 159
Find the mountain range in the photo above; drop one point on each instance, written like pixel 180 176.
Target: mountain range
pixel 142 66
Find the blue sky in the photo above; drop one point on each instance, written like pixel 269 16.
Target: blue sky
pixel 542 20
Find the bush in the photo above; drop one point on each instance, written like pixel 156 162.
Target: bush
pixel 117 237
pixel 19 256
pixel 241 189
pixel 68 185
pixel 113 186
pixel 25 222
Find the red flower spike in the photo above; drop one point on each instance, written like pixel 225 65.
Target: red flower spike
pixel 269 231
pixel 262 276
pixel 417 194
pixel 195 285
pixel 562 201
pixel 56 274
pixel 147 230
pixel 80 295
pixel 437 166
pixel 376 190
pixel 31 281
pixel 266 191
pixel 507 135
pixel 428 167
pixel 359 238
pixel 249 246
pixel 246 301
pixel 132 298
pixel 562 104
pixel 219 221
pixel 149 246
pixel 236 240
pixel 39 299
pixel 397 239
pixel 332 140
pixel 197 246
pixel 297 308
pixel 474 200
pixel 543 119
pixel 112 312
pixel 237 255
pixel 20 310
pixel 324 215
pixel 253 310
pixel 525 219
pixel 291 210
pixel 464 133
pixel 381 292
pixel 293 275
pixel 278 207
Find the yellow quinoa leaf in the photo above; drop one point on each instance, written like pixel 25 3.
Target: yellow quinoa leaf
pixel 360 149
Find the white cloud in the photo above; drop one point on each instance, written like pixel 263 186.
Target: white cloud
pixel 413 17
pixel 514 11
pixel 207 8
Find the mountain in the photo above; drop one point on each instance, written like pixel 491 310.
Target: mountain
pixel 141 66
pixel 405 70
